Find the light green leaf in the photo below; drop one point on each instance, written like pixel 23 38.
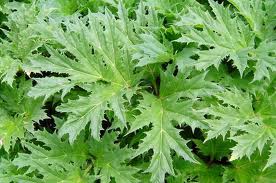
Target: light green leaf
pixel 110 160
pixel 90 110
pixel 227 35
pixel 50 85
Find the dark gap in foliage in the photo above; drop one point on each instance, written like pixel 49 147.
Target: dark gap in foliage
pixel 106 124
pixel 175 72
pixel 48 123
pixel 165 65
pixel 187 133
pixel 257 42
pixel 133 139
pixel 204 47
pixel 157 88
pixel 229 65
pixel 44 74
pixel 225 2
pixel 70 55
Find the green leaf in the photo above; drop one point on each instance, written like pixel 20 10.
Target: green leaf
pixel 215 148
pixel 50 85
pixel 8 69
pixel 10 129
pixel 272 157
pixel 235 111
pixel 245 170
pixel 266 59
pixel 110 160
pixel 187 172
pixel 59 162
pixel 152 51
pixel 254 11
pixel 161 138
pixel 61 64
pixel 225 36
pixel 161 113
pixel 90 109
pixel 18 112
pixel 249 142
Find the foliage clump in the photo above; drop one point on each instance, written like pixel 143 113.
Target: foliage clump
pixel 131 91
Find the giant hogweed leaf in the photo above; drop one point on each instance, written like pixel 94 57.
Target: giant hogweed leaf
pixel 110 160
pixel 51 85
pixel 147 21
pixel 186 85
pixel 256 137
pixel 251 129
pixel 228 36
pixel 187 171
pixel 8 69
pixel 59 162
pixel 161 138
pixel 152 51
pixel 164 113
pixel 125 25
pixel 272 157
pixel 90 109
pixel 245 170
pixel 18 112
pixel 110 61
pixel 238 110
pixel 15 100
pixel 260 15
pixel 109 43
pixel 215 148
pixel 265 55
pixel 61 64
pixel 9 172
pixel 11 128
pixel 20 40
pixel 61 151
pixel 171 6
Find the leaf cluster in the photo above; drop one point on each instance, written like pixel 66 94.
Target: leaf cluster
pixel 133 91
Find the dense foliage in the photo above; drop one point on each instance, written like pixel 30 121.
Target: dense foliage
pixel 132 91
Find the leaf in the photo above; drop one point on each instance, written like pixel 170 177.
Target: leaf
pixel 59 162
pixel 10 129
pixel 215 148
pixel 255 14
pixel 225 36
pixel 271 160
pixel 161 138
pixel 187 171
pixel 61 64
pixel 248 143
pixel 8 69
pixel 265 60
pixel 245 170
pixel 90 53
pixel 18 40
pixel 50 85
pixel 160 113
pixel 152 51
pixel 184 59
pixel 18 112
pixel 236 111
pixel 121 88
pixel 91 110
pixel 110 160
